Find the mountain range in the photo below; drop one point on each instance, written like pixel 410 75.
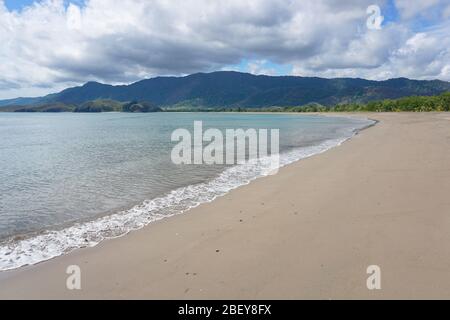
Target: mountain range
pixel 235 89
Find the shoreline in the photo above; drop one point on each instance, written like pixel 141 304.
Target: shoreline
pixel 178 257
pixel 99 224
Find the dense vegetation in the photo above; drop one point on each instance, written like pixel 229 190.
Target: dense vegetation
pixel 407 104
pixel 439 103
pixel 220 90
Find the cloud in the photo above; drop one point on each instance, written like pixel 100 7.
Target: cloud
pixel 424 55
pixel 52 44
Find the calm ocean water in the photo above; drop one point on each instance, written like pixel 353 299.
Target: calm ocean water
pixel 72 180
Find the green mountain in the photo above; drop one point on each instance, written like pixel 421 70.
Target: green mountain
pixel 234 89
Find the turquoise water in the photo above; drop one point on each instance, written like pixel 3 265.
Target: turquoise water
pixel 72 180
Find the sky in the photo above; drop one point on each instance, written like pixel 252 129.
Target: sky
pixel 50 45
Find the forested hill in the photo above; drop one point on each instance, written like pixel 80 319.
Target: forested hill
pixel 234 89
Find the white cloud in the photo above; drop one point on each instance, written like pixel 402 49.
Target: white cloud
pixel 424 55
pixel 74 21
pixel 49 45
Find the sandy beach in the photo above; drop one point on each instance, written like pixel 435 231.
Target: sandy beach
pixel 309 232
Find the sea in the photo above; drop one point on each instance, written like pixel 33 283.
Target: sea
pixel 70 181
